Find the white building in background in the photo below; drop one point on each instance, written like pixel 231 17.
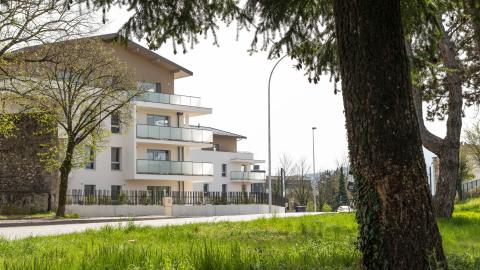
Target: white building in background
pixel 233 171
pixel 154 152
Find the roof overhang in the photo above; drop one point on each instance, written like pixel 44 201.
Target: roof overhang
pixel 179 71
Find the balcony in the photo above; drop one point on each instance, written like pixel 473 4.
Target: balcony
pixel 247 176
pixel 163 167
pixel 170 99
pixel 174 134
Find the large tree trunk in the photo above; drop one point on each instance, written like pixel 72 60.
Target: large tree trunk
pixel 65 169
pixel 447 149
pixel 397 226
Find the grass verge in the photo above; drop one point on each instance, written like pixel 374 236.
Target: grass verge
pixel 310 242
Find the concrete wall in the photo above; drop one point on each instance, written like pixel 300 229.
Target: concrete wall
pixel 177 210
pixel 25 186
pixel 223 210
pixel 115 210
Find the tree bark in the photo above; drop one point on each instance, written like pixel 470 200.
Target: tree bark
pixel 65 170
pixel 397 226
pixel 449 156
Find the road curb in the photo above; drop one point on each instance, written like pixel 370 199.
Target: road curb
pixel 25 223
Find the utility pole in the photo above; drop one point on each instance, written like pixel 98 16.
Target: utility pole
pixel 270 141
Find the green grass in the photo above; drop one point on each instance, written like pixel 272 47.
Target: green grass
pixel 312 242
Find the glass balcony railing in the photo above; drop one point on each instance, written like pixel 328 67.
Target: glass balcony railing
pixel 255 176
pixel 146 166
pixel 170 99
pixel 174 133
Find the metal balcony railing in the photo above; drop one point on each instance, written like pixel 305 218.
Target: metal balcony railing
pixel 170 99
pixel 174 133
pixel 252 176
pixel 147 166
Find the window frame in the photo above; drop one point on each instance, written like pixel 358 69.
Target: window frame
pixel 115 163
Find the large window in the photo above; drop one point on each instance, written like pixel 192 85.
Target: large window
pixel 150 87
pixel 157 154
pixel 116 158
pixel 90 157
pixel 115 123
pixel 158 120
pixel 205 188
pixel 224 188
pixel 89 190
pixel 224 170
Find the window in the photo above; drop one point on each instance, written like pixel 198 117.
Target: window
pixel 257 187
pixel 90 157
pixel 256 167
pixel 157 154
pixel 115 122
pixel 216 147
pixel 116 152
pixel 224 188
pixel 158 120
pixel 244 188
pixel 89 190
pixel 224 170
pixel 115 192
pixel 158 87
pixel 205 188
pixel 159 191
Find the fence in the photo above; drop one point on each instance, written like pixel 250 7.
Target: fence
pixel 471 188
pixel 147 197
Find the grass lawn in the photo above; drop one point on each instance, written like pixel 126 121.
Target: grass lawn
pixel 311 242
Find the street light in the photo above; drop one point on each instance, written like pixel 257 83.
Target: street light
pixel 314 172
pixel 270 141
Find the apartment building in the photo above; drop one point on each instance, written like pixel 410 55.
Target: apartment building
pixel 233 170
pixel 154 152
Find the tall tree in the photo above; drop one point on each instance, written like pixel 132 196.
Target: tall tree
pixel 25 23
pixel 445 72
pixel 342 197
pixel 397 226
pixel 80 86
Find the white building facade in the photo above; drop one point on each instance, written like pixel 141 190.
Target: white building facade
pixel 153 153
pixel 233 171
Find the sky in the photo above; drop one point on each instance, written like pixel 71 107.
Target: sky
pixel 234 83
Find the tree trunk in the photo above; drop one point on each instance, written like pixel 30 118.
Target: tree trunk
pixel 447 149
pixel 65 169
pixel 449 156
pixel 397 226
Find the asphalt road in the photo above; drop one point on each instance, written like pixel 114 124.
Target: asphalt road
pixel 12 233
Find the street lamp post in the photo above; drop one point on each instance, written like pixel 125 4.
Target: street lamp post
pixel 314 172
pixel 270 141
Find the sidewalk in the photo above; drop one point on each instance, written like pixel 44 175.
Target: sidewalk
pixel 55 221
pixel 19 232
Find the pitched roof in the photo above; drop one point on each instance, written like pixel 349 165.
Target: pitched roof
pixel 178 70
pixel 219 132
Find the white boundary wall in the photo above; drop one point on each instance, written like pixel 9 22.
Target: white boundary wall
pixel 177 210
pixel 115 210
pixel 223 210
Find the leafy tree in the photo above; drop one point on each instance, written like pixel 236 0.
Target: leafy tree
pixel 397 226
pixel 445 65
pixel 80 86
pixel 342 197
pixel 24 23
